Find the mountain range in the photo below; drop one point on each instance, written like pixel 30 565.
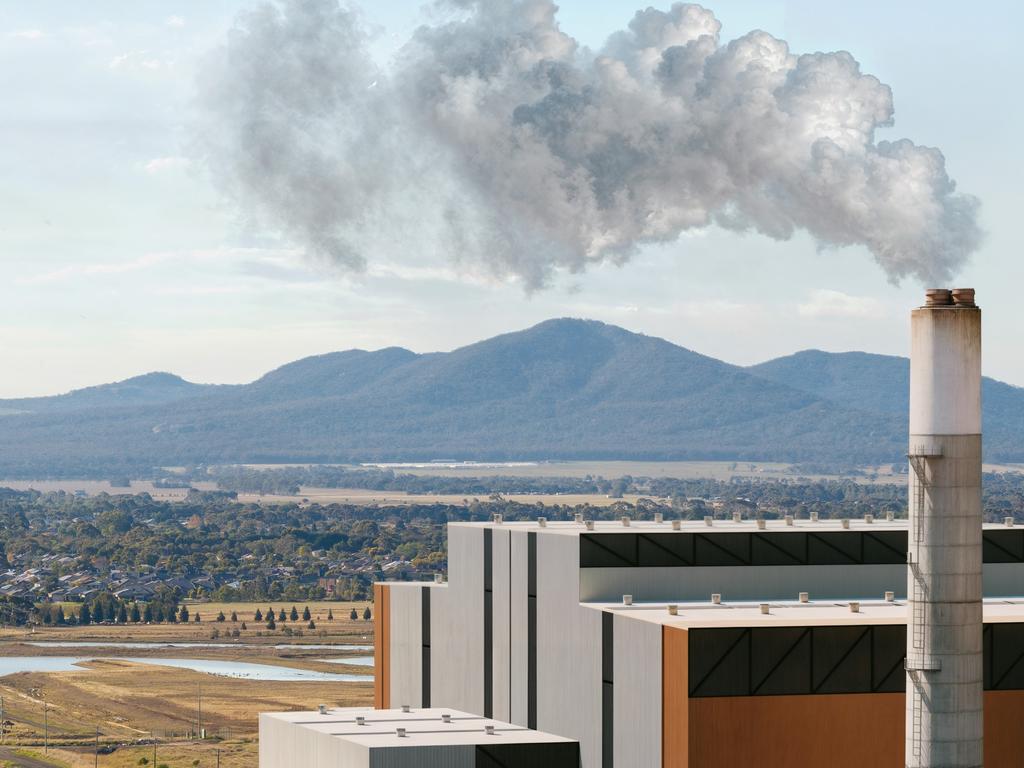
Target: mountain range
pixel 564 389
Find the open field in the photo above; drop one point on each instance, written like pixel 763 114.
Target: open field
pixel 128 702
pixel 342 630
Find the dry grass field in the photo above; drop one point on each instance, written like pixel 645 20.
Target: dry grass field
pixel 340 630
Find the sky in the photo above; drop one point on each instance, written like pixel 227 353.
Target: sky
pixel 118 256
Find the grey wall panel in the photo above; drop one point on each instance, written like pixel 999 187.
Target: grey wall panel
pixel 518 629
pixel 406 645
pixel 423 757
pixel 754 582
pixel 1003 579
pixel 637 693
pixel 568 650
pixel 283 745
pixel 501 584
pixel 457 654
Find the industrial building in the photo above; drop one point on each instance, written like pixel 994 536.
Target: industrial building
pixel 723 643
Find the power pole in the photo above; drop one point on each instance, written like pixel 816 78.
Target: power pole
pixel 218 758
pixel 199 714
pixel 97 761
pixel 46 727
pixel 3 730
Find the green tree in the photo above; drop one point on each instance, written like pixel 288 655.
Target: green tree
pixel 183 616
pixel 122 614
pixel 366 614
pixel 306 616
pixel 258 615
pixel 294 615
pixel 84 616
pixel 147 614
pixel 330 615
pixel 134 616
pixel 221 617
pixel 270 623
pixel 234 617
pixel 311 625
pixel 196 618
pixel 282 616
pixel 354 616
pixel 59 618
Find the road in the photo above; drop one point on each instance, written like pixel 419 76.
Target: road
pixel 8 754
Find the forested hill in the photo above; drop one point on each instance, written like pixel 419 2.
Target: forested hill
pixel 569 389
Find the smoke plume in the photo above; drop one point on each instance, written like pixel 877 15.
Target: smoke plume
pixel 495 139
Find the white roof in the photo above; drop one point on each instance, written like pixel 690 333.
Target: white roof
pixel 424 727
pixel 746 525
pixel 783 613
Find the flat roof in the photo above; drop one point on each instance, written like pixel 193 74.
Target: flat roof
pixel 423 727
pixel 745 525
pixel 691 615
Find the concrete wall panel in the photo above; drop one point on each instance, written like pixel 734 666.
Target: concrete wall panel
pixel 518 631
pixel 742 583
pixel 568 650
pixel 457 653
pixel 406 642
pixel 637 692
pixel 502 622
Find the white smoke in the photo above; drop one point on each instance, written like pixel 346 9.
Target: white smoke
pixel 495 138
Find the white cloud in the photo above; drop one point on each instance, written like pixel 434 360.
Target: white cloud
pixel 175 21
pixel 28 34
pixel 162 164
pixel 828 303
pixel 138 60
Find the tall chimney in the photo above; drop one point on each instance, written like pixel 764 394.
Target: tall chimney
pixel 944 645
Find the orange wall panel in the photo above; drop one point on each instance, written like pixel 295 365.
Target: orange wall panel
pixel 841 731
pixel 675 684
pixel 381 646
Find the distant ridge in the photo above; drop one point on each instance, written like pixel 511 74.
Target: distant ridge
pixel 563 389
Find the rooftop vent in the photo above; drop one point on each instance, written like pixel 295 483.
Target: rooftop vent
pixel 761 524
pixel 438 578
pixel 497 519
pixel 677 525
pixel 578 518
pixel 589 524
pixel 446 718
pixel 673 610
pixel 855 607
pixel 869 519
pixel 406 708
pixel 659 518
pixel 716 598
pixel 889 517
pixel 737 517
pixel 789 520
pixel 709 520
pixel 938 297
pixel 1008 522
pixel 845 522
pixel 322 709
pixel 542 522
pixel 360 720
pixel 804 597
pixel 627 599
pixel 963 297
pixel 765 609
pixel 489 730
pixel 890 597
pixel 814 517
pixel 400 733
pixel 625 522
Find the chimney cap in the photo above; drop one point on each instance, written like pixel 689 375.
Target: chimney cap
pixel 964 297
pixel 938 297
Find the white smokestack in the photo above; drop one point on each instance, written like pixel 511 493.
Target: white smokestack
pixel 944 578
